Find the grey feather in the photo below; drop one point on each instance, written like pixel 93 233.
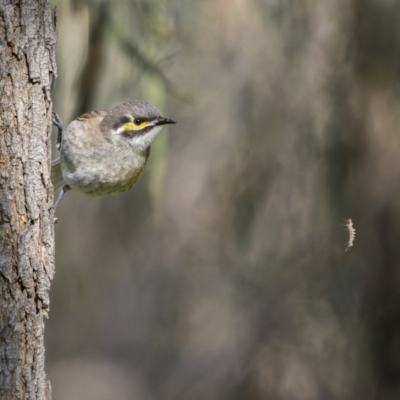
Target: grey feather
pixel 56 174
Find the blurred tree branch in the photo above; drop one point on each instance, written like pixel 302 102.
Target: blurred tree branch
pixel 153 68
pixel 100 18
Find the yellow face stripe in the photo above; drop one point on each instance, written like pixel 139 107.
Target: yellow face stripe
pixel 130 126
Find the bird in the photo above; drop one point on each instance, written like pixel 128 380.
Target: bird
pixel 105 152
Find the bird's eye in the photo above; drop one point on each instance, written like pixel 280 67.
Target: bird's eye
pixel 137 121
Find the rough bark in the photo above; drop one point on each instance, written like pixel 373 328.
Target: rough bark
pixel 27 68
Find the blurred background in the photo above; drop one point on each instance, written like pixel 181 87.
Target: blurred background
pixel 223 273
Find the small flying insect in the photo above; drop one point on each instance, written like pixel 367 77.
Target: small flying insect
pixel 352 233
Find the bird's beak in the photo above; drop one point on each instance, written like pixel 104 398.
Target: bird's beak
pixel 164 121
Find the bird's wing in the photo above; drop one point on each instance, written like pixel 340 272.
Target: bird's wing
pixel 91 114
pixel 56 174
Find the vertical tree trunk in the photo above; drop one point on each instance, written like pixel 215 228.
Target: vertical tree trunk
pixel 27 68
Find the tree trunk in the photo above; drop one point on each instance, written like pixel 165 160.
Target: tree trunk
pixel 27 68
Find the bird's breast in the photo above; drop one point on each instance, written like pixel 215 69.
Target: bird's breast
pixel 100 169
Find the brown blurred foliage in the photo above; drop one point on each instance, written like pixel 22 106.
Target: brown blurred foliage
pixel 223 274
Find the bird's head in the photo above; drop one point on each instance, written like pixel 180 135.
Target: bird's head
pixel 134 123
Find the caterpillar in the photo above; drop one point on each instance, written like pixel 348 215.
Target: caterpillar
pixel 352 233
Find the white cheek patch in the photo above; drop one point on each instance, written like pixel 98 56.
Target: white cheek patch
pixel 118 131
pixel 139 142
pixel 144 141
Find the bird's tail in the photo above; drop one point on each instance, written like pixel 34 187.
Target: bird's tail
pixel 56 174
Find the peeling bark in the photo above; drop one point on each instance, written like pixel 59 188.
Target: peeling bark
pixel 27 68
